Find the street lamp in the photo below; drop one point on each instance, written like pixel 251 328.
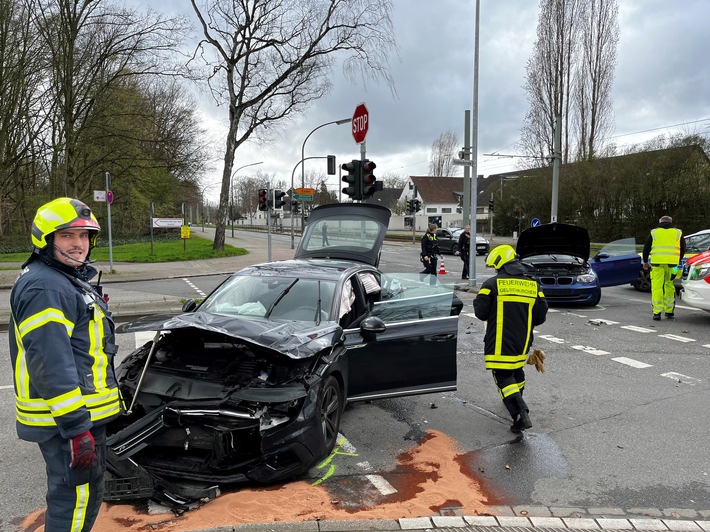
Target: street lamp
pixel 293 172
pixel 231 188
pixel 303 146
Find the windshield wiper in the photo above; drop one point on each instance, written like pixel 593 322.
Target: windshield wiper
pixel 279 298
pixel 318 306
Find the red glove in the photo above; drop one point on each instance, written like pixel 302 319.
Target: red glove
pixel 83 452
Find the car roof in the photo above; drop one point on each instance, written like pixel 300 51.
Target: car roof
pixel 554 238
pixel 345 231
pixel 325 269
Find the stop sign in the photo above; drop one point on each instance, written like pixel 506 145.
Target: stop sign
pixel 360 123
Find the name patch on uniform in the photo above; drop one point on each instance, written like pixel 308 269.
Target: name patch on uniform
pixel 518 287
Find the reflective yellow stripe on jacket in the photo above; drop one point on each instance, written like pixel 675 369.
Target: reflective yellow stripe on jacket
pixel 512 291
pixel 665 246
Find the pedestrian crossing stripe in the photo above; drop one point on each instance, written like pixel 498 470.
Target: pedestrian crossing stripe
pixel 551 338
pixel 637 329
pixel 631 362
pixel 677 338
pixel 590 350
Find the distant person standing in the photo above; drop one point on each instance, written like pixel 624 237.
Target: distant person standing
pixel 512 304
pixel 662 252
pixel 430 250
pixel 465 249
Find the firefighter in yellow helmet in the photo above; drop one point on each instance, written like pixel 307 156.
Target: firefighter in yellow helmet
pixel 511 303
pixel 62 349
pixel 662 253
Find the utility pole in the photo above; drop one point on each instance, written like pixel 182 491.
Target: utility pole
pixel 466 153
pixel 556 162
pixel 474 156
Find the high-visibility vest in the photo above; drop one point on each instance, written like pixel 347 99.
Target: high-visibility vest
pixel 665 248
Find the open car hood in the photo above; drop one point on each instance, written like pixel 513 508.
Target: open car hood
pixel 290 338
pixel 347 231
pixel 554 238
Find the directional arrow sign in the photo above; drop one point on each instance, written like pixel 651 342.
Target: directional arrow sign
pixel 168 222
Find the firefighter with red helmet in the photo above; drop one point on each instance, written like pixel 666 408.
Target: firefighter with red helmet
pixel 511 303
pixel 62 348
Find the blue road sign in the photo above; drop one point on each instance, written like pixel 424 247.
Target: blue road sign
pixel 535 222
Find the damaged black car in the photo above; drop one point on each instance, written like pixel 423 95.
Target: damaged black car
pixel 250 385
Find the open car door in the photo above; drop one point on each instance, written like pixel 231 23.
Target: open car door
pixel 617 263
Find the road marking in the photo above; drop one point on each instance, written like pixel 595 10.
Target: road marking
pixel 707 345
pixel 551 338
pixel 191 285
pixel 578 315
pixel 631 362
pixel 680 377
pixel 607 322
pixel 7 387
pixel 637 329
pixel 676 338
pixel 590 350
pixel 384 487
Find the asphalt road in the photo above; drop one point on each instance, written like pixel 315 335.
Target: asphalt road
pixel 620 414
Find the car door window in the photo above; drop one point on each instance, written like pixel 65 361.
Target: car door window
pixel 412 297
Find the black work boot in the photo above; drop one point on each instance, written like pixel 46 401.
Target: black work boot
pixel 522 420
pixel 657 317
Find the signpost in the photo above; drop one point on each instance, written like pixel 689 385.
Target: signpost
pixel 360 123
pixel 168 222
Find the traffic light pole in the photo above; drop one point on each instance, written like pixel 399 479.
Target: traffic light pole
pixel 268 222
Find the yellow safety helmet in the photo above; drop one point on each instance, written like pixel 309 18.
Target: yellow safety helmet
pixel 499 256
pixel 63 213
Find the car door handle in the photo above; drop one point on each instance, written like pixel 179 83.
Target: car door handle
pixel 442 337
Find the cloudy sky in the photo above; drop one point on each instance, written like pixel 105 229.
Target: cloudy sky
pixel 662 86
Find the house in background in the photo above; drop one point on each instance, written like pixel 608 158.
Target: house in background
pixel 442 199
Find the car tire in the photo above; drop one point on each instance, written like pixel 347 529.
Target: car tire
pixel 454 249
pixel 330 410
pixel 643 281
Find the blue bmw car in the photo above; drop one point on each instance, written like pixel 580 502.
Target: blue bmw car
pixel 557 255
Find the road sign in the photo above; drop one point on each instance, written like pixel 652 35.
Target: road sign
pixel 360 123
pixel 168 222
pixel 462 162
pixel 305 191
pixel 109 197
pixel 99 195
pixel 184 231
pixel 302 197
pixel 535 222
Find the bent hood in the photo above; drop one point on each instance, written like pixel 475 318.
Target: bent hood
pixel 554 239
pixel 288 338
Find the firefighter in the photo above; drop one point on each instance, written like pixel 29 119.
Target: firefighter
pixel 430 250
pixel 62 349
pixel 662 253
pixel 511 303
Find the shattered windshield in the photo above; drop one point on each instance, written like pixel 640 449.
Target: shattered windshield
pixel 276 298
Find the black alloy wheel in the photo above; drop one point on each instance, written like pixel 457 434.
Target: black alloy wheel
pixel 330 409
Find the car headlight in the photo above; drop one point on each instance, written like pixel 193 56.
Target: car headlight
pixel 587 278
pixel 699 271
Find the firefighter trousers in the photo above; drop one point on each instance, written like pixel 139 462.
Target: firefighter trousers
pixel 73 496
pixel 511 383
pixel 662 288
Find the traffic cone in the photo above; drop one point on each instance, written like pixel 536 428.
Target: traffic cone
pixel 442 268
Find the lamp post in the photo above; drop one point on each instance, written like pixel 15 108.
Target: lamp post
pixel 293 172
pixel 231 188
pixel 303 146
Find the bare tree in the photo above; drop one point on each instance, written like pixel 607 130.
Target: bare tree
pixel 570 74
pixel 593 104
pixel 443 150
pixel 269 59
pixel 549 77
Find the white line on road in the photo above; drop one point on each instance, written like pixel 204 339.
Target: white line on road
pixel 590 350
pixel 191 285
pixel 637 329
pixel 631 362
pixel 608 322
pixel 7 387
pixel 676 338
pixel 680 377
pixel 384 487
pixel 551 338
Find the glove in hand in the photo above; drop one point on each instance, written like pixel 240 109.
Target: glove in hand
pixel 83 452
pixel 537 359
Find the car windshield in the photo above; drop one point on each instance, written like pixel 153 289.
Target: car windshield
pixel 625 246
pixel 697 243
pixel 287 298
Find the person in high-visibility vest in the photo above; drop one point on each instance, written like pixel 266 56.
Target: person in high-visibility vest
pixel 512 304
pixel 62 346
pixel 662 253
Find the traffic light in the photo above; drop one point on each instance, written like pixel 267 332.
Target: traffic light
pixel 263 200
pixel 368 179
pixel 278 199
pixel 353 179
pixel 294 207
pixel 490 205
pixel 417 206
pixel 331 164
pixel 410 206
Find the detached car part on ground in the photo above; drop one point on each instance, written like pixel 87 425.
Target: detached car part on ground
pixel 250 385
pixel 557 255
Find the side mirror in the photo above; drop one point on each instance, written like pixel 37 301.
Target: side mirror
pixel 600 256
pixel 372 325
pixel 189 305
